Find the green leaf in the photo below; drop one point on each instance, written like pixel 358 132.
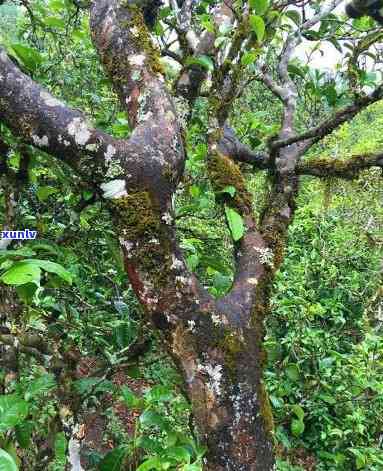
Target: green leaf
pixel 260 7
pixel 151 463
pixel 55 22
pixel 204 61
pixel 293 69
pixel 13 410
pixel 327 398
pixel 29 57
pixel 235 222
pixel 94 385
pixel 159 393
pixel 21 273
pixel 61 445
pixel 292 372
pixel 298 411
pixel 180 453
pixel 44 192
pixel 151 418
pixel 6 462
pixel 23 433
pixel 39 386
pixel 294 16
pixel 297 427
pixel 230 190
pixel 53 267
pixel 23 252
pixel 114 460
pixel 26 292
pixel 249 58
pixel 130 399
pixel 258 26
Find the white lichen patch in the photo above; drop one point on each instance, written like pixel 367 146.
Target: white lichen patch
pixel 182 280
pixel 182 108
pixel 3 55
pixel 191 325
pixel 216 319
pixel 137 60
pixel 92 147
pixel 79 130
pixel 114 189
pixel 110 152
pixel 40 141
pixel 176 263
pixel 135 31
pixel 49 100
pixel 266 256
pixel 167 218
pixel 252 281
pixel 126 244
pixel 215 376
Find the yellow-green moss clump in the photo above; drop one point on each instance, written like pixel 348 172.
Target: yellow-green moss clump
pixel 265 410
pixel 136 215
pixel 224 172
pixel 232 345
pixel 143 40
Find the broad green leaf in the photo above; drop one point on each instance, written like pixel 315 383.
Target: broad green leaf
pixel 26 292
pixel 30 57
pixel 192 467
pixel 44 192
pixel 114 460
pixel 235 222
pixel 39 386
pixel 180 453
pixel 292 372
pixel 297 427
pixel 293 69
pixel 151 463
pixel 159 393
pixel 204 61
pixel 258 26
pixel 13 410
pixel 61 445
pixel 130 399
pixel 259 6
pixel 294 16
pixel 52 267
pixel 54 22
pixel 151 418
pixel 6 462
pixel 23 433
pixel 327 398
pixel 298 411
pixel 21 273
pixel 94 385
pixel 229 189
pixel 249 57
pixel 23 252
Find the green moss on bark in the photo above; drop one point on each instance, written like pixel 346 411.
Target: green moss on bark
pixel 224 172
pixel 136 215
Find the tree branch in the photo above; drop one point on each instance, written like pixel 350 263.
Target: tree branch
pixel 333 122
pixel 48 124
pixel 347 169
pixel 230 145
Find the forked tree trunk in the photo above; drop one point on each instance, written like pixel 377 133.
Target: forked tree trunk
pixel 217 344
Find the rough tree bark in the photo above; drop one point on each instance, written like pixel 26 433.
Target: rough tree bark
pixel 217 344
